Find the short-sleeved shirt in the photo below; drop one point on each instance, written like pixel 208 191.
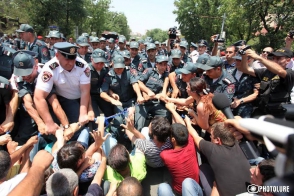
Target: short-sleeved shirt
pixel 7 186
pixel 67 84
pixel 137 167
pixel 152 152
pixel 97 79
pixel 181 163
pixel 120 85
pixel 152 80
pixel 230 167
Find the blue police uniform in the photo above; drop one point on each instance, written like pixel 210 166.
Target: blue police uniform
pixel 122 86
pixel 152 80
pixel 41 49
pixel 224 84
pixel 244 88
pixel 6 64
pixel 87 57
pixel 229 67
pixel 5 97
pixel 171 67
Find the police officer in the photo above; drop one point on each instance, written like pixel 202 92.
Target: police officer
pixel 175 62
pixel 245 93
pixel 142 49
pixel 276 82
pixel 94 42
pixel 128 61
pixel 54 37
pixel 70 76
pixel 158 49
pixel 153 83
pixel 103 47
pixel 163 48
pixel 98 73
pixel 82 43
pixel 183 48
pixel 202 46
pixel 150 62
pixel 6 64
pixel 134 49
pixel 26 33
pixel 121 89
pixel 193 52
pixel 111 44
pixel 218 79
pixel 128 46
pixel 121 46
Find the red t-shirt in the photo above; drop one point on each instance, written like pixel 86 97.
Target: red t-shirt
pixel 182 163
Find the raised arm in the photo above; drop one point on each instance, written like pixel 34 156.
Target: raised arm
pixel 84 103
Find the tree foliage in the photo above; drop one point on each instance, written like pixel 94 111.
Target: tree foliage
pixel 157 34
pixel 246 19
pixel 88 15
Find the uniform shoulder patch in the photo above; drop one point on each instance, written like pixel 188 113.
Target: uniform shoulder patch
pixel 53 65
pixel 144 61
pixel 46 76
pixel 134 72
pixel 87 72
pixel 145 71
pixel 45 51
pixel 231 89
pixel 80 64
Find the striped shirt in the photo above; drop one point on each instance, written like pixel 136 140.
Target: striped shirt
pixel 152 152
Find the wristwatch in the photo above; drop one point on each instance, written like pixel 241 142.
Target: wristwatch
pixel 66 126
pixel 241 101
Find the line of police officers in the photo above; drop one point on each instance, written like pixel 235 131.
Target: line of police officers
pixel 64 83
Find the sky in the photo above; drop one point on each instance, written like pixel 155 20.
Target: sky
pixel 144 15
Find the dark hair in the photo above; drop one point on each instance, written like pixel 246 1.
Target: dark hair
pixel 180 133
pixel 118 158
pixel 267 169
pixel 5 162
pixel 235 48
pixel 161 128
pixel 199 86
pixel 130 186
pixel 223 132
pixel 69 155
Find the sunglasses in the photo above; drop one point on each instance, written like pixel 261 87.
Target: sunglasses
pixel 266 52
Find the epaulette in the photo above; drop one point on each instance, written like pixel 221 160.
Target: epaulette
pixel 39 43
pixel 144 61
pixel 53 66
pixel 110 73
pixel 80 64
pixel 227 81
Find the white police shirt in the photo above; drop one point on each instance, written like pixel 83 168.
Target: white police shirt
pixel 67 84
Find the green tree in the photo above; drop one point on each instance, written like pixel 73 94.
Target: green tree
pixel 118 22
pixel 157 34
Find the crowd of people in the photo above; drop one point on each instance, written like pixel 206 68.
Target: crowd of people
pixel 94 116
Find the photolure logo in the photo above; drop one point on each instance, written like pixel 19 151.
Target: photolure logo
pixel 253 188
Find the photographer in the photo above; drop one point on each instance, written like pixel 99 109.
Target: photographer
pixel 276 81
pixel 173 38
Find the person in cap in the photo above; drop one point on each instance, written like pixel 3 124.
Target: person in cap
pixel 245 92
pixel 26 33
pixel 150 61
pixel 128 46
pixel 6 64
pixel 121 46
pixel 142 49
pixel 163 47
pixel 158 48
pixel 180 78
pixel 133 39
pixel 23 81
pixel 135 57
pixel 103 47
pixel 176 62
pixel 194 54
pixel 218 79
pixel 111 49
pixel 202 46
pixel 121 89
pixel 82 43
pixel 98 74
pixel 153 83
pixel 94 42
pixel 54 37
pixel 183 48
pixel 276 77
pixel 128 60
pixel 70 76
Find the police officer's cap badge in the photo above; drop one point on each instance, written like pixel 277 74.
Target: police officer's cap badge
pixel 20 64
pixel 46 76
pixel 72 50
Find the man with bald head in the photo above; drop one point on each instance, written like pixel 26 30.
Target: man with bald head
pixel 130 186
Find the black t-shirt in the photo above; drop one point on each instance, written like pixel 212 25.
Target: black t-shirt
pixel 94 190
pixel 230 167
pixel 286 83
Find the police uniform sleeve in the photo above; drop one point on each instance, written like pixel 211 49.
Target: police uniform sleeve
pixel 45 80
pixel 105 85
pixel 259 73
pixel 85 77
pixel 145 75
pixel 133 76
pixel 289 79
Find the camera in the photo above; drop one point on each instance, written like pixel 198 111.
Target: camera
pixel 252 188
pixel 172 33
pixel 218 39
pixel 291 34
pixel 242 52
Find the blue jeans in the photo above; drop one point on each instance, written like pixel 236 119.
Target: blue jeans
pixel 108 144
pixel 189 188
pixel 82 136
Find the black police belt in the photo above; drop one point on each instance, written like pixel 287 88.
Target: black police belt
pixel 3 85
